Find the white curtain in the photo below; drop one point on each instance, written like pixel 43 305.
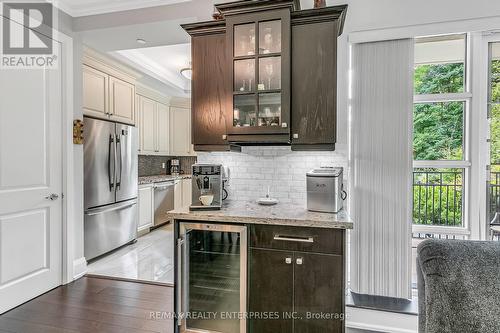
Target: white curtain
pixel 381 157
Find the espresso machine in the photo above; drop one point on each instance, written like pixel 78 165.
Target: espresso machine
pixel 207 187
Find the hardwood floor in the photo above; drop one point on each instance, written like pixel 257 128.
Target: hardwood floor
pixel 95 305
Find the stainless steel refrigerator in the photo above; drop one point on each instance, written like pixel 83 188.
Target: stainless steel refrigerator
pixel 110 185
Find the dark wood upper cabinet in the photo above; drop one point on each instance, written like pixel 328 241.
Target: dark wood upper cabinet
pixel 314 78
pixel 265 74
pixel 259 53
pixel 210 96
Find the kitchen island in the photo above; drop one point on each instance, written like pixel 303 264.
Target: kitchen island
pixel 259 269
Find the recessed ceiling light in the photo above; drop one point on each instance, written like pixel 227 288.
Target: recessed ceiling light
pixel 141 41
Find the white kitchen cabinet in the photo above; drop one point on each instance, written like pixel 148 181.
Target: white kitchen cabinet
pixel 146 209
pixel 180 132
pixel 178 195
pixel 95 92
pixel 182 193
pixel 121 101
pixel 147 125
pixel 186 192
pixel 107 97
pixel 153 127
pixel 163 121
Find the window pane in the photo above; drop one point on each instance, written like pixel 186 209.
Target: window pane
pixel 438 131
pixel 440 64
pixel 438 197
pixel 494 95
pixel 495 135
pixel 495 73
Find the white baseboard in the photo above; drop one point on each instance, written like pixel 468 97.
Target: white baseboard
pixel 79 268
pixel 380 321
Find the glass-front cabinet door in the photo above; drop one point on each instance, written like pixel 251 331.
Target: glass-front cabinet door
pixel 260 54
pixel 211 278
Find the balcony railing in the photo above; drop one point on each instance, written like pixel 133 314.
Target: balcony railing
pixel 494 190
pixel 437 197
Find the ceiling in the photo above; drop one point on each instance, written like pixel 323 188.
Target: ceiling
pixel 162 63
pixel 113 27
pixel 77 8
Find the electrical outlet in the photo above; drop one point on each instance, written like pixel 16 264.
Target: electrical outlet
pixel 163 165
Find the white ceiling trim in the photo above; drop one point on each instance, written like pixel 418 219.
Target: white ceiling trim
pixel 78 8
pixel 155 70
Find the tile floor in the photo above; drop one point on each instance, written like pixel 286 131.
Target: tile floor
pixel 151 258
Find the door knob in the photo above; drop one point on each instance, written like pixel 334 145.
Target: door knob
pixel 299 261
pixel 52 197
pixel 288 261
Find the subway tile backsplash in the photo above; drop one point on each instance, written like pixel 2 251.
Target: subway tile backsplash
pixel 151 165
pixel 280 168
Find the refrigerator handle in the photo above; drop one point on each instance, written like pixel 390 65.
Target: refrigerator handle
pixel 119 160
pixel 111 174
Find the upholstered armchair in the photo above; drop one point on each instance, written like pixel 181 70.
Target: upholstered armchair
pixel 459 286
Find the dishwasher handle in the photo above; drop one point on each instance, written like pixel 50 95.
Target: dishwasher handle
pixel 163 186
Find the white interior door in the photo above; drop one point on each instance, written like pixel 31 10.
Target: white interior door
pixel 30 172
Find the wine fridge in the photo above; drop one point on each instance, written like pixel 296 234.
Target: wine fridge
pixel 211 278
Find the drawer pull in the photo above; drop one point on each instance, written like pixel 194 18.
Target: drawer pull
pixel 294 239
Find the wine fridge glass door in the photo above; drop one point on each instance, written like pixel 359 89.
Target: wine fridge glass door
pixel 213 278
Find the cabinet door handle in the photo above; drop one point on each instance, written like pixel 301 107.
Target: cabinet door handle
pixel 299 261
pixel 294 239
pixel 288 260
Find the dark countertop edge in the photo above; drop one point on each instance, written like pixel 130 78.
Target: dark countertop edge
pixel 262 221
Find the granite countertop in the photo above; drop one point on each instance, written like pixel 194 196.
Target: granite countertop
pixel 253 213
pixel 160 178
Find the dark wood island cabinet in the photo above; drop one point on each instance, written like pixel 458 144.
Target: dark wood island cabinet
pixel 265 74
pixel 297 272
pixel 282 269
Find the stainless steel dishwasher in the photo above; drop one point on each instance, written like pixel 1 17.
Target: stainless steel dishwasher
pixel 164 200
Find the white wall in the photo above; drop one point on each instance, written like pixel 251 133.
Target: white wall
pixel 378 14
pixel 256 168
pixel 78 150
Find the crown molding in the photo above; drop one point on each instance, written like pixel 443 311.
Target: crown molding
pixel 104 7
pixel 109 65
pixel 180 102
pixel 156 95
